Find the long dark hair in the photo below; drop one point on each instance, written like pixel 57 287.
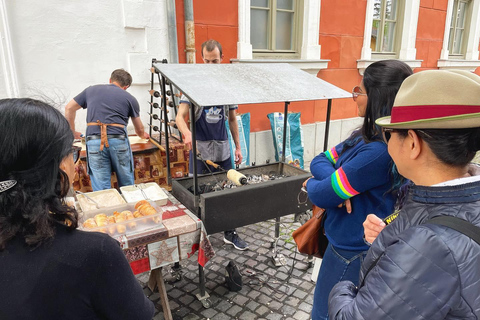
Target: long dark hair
pixel 381 80
pixel 34 139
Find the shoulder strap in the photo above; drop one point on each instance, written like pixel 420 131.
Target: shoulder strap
pixel 374 263
pixel 459 225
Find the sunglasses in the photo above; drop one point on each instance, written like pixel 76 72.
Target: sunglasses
pixel 387 133
pixel 357 91
pixel 76 153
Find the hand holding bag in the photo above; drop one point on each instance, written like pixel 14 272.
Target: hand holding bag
pixel 310 237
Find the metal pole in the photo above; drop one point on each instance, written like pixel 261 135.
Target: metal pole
pixel 327 124
pixel 189 31
pixel 172 31
pixel 167 146
pixel 284 148
pixel 285 117
pixel 152 79
pixel 201 276
pixel 175 111
pixel 194 158
pixel 277 227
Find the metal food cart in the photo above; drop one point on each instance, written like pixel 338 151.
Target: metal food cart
pixel 207 85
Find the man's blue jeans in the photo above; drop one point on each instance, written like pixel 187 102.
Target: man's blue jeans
pixel 337 265
pixel 117 157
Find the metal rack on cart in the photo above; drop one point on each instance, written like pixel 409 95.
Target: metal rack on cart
pixel 159 120
pixel 207 85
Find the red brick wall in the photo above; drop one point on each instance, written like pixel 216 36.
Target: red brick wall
pixel 430 32
pixel 213 20
pixel 341 31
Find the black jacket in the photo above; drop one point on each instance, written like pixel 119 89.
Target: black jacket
pixel 76 275
pixel 425 271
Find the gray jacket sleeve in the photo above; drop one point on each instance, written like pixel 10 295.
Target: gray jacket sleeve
pixel 416 278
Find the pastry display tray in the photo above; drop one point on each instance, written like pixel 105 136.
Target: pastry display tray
pixel 139 224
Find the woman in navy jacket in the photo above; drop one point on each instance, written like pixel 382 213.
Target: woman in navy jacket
pixel 418 270
pixel 358 173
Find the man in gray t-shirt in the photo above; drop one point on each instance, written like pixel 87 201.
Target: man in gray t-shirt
pixel 108 109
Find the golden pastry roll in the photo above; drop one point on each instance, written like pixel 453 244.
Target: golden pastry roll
pixel 141 202
pixel 90 223
pixel 121 228
pixel 111 228
pixel 147 210
pixel 101 219
pixel 143 206
pixel 120 217
pixel 131 225
pixel 137 214
pixel 157 219
pixel 129 215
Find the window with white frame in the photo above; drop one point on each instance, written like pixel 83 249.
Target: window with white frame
pixel 390 32
pixel 461 36
pixel 384 26
pixel 458 28
pixel 275 26
pixel 280 30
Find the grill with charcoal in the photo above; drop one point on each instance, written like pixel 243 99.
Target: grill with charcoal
pixel 224 206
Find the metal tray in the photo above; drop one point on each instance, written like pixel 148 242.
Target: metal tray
pixel 105 198
pixel 151 191
pixel 232 208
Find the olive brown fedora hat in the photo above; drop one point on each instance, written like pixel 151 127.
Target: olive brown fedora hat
pixel 436 99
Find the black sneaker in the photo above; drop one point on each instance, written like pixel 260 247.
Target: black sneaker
pixel 231 237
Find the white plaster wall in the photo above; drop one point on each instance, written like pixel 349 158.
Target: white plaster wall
pixel 262 149
pixel 63 46
pixel 3 87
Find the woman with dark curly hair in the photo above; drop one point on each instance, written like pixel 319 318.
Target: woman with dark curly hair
pixel 354 179
pixel 50 270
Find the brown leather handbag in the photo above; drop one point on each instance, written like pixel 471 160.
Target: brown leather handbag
pixel 310 237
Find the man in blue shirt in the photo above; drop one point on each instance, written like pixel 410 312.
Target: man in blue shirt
pixel 211 133
pixel 108 109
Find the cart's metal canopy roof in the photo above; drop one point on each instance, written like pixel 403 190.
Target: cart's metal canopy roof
pixel 222 84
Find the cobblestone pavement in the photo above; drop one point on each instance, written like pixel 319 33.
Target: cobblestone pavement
pixel 272 293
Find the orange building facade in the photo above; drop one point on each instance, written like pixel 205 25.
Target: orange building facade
pixel 343 41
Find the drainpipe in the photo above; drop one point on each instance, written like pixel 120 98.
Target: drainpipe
pixel 189 31
pixel 172 31
pixel 6 54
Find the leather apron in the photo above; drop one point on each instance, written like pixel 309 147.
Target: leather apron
pixel 104 139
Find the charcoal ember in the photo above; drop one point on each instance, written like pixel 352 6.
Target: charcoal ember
pixel 203 188
pixel 227 184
